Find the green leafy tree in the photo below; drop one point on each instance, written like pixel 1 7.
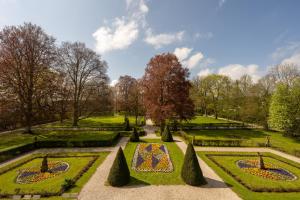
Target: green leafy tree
pixel 167 135
pixel 191 172
pixel 119 174
pixel 134 136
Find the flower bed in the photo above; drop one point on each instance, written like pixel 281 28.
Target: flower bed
pixel 271 172
pixel 152 157
pixel 33 174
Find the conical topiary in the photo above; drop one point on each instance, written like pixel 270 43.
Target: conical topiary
pixel 166 135
pixel 119 174
pixel 134 136
pixel 44 166
pixel 127 124
pixel 191 172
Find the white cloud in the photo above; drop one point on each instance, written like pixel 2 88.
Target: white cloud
pixel 194 60
pixel 286 51
pixel 205 72
pixel 206 36
pixel 123 31
pixel 182 53
pixel 294 59
pixel 236 71
pixel 162 39
pixel 113 83
pixel 119 36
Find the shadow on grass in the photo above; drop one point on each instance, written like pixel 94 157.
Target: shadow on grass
pixel 212 183
pixel 136 183
pixel 238 134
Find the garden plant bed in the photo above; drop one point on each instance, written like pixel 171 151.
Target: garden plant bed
pixel 23 176
pixel 158 175
pixel 256 184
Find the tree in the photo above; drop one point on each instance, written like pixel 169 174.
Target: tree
pixel 167 135
pixel 134 136
pixel 191 172
pixel 166 90
pixel 285 108
pixel 119 174
pixel 81 65
pixel 285 73
pixel 26 52
pixel 44 166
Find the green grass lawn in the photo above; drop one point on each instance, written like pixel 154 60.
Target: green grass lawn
pixel 241 190
pixel 51 185
pixel 94 122
pixel 10 140
pixel 252 138
pixel 206 120
pixel 156 178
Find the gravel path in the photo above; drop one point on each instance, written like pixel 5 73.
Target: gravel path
pixel 96 189
pixel 249 149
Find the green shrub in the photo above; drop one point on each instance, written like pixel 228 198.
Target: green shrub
pixel 166 135
pixel 44 167
pixel 127 124
pixel 68 184
pixel 191 172
pixel 119 174
pixel 134 136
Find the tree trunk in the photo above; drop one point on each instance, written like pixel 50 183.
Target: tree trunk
pixel 75 114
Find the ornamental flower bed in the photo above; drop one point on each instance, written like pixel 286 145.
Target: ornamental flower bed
pixel 272 172
pixel 34 175
pixel 152 157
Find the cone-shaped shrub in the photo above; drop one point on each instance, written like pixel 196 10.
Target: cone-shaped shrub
pixel 127 124
pixel 119 174
pixel 166 135
pixel 44 166
pixel 134 136
pixel 191 172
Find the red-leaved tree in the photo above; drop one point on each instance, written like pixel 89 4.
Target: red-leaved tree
pixel 166 90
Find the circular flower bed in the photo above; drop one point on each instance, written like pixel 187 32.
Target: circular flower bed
pixel 34 175
pixel 272 171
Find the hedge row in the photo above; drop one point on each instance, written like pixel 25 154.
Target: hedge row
pixel 13 152
pixel 205 142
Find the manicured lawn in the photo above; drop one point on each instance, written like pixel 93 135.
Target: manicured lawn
pixel 94 122
pixel 252 138
pixel 77 162
pixel 11 140
pixel 229 163
pixel 206 120
pixel 156 178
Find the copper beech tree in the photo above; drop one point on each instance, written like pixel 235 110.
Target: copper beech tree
pixel 166 90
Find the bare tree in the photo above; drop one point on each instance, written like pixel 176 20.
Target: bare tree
pixel 285 73
pixel 26 51
pixel 81 66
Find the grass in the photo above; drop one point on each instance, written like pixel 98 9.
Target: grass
pixel 156 178
pixel 252 137
pixel 93 122
pixel 241 190
pixel 51 185
pixel 10 140
pixel 206 120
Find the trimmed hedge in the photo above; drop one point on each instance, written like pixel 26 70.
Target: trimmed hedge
pixel 13 152
pixel 191 172
pixel 119 174
pixel 134 136
pixel 167 135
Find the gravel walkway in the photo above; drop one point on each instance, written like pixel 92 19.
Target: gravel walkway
pixel 249 149
pixel 96 189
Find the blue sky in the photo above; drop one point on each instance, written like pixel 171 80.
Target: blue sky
pixel 231 37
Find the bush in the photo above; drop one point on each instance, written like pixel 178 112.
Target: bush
pixel 191 172
pixel 134 136
pixel 119 174
pixel 127 124
pixel 167 136
pixel 44 167
pixel 68 184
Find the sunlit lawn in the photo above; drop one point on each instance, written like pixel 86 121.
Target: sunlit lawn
pixel 246 194
pixel 156 178
pixel 252 138
pixel 205 120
